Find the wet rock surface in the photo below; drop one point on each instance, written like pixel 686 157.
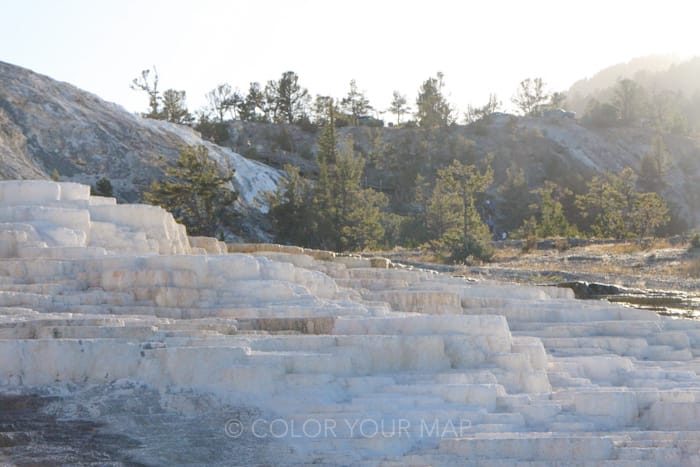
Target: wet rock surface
pixel 123 424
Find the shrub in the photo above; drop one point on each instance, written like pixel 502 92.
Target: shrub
pixel 213 130
pixel 561 244
pixel 306 153
pixel 695 241
pixel 692 268
pixel 474 249
pixel 103 187
pixel 284 141
pixel 530 244
pixel 307 125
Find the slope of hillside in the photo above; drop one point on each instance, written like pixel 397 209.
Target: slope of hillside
pixel 607 77
pixel 46 125
pixel 552 148
pixel 656 74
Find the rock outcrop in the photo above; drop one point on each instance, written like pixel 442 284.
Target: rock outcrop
pixel 326 359
pixel 46 125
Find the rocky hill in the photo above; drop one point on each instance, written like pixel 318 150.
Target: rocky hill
pixel 46 125
pixel 554 147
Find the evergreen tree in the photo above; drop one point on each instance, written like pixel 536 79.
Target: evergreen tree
pixel 629 100
pixel 600 115
pixel 608 203
pixel 442 211
pixel 254 107
pixel 363 228
pixel 337 213
pixel 224 99
pixel 515 199
pixel 355 103
pixel 175 108
pixel 103 187
pixel 553 222
pixel 649 212
pixel 291 208
pixel 474 114
pixel 357 210
pixel 420 225
pixel 212 130
pixel 328 138
pixel 461 184
pixel 557 100
pixel 531 96
pixel 652 167
pixel 346 178
pixel 399 106
pixel 432 108
pixel 666 111
pixel 324 209
pixel 288 100
pixel 603 206
pixel 196 193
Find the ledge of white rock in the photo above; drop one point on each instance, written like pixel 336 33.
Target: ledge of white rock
pixel 92 292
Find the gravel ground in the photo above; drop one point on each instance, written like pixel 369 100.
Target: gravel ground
pixel 666 268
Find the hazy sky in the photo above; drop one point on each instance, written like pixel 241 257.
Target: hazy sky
pixel 481 47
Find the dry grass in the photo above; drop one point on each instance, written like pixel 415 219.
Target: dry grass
pixel 506 254
pixel 630 247
pixel 691 268
pixel 661 264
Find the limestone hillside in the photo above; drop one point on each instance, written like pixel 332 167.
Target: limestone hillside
pixel 46 125
pixel 550 148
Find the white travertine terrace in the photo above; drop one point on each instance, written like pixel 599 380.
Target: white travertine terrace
pixel 92 292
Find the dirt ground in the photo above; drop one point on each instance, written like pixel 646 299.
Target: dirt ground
pixel 659 266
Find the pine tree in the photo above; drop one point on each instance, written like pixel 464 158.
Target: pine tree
pixel 460 184
pixel 363 227
pixel 175 108
pixel 609 204
pixel 604 206
pixel 355 103
pixel 531 97
pixel 223 99
pixel 287 98
pixel 442 213
pixel 652 168
pixel 399 106
pixel 432 108
pixel 553 222
pixel 328 138
pixel 649 212
pixel 474 114
pixel 515 199
pixel 291 209
pixel 103 187
pixel 254 108
pixel 629 100
pixel 196 193
pixel 358 210
pixel 336 213
pixel 325 213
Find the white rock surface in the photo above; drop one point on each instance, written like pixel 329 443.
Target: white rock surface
pixel 356 365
